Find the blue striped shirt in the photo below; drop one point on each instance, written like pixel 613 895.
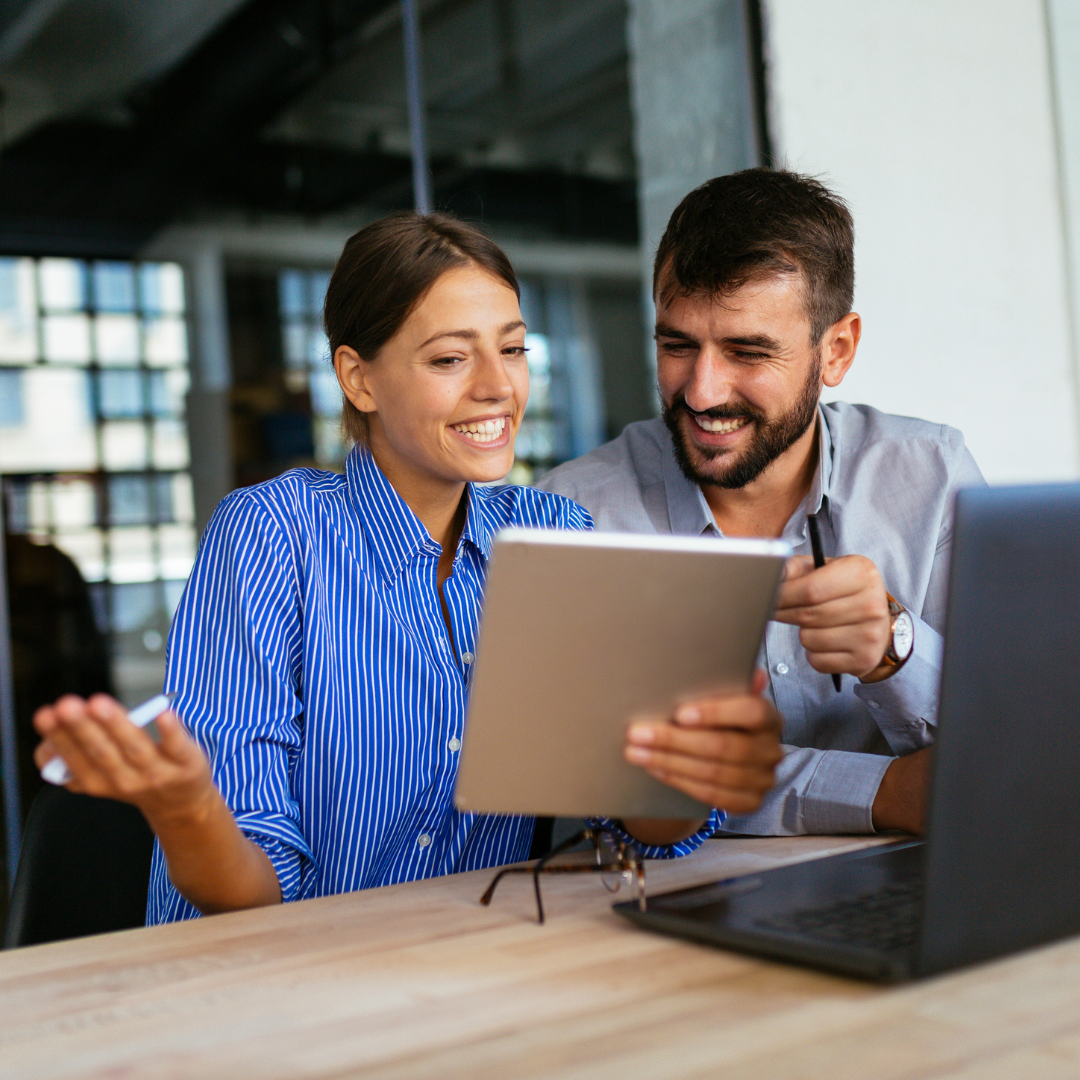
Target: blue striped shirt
pixel 311 661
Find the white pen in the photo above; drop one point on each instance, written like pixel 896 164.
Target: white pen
pixel 55 770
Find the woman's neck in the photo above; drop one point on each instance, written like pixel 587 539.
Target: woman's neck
pixel 441 505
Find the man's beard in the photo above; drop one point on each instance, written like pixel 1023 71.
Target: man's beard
pixel 769 441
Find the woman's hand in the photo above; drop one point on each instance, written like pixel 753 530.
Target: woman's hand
pixel 111 758
pixel 722 751
pixel 211 862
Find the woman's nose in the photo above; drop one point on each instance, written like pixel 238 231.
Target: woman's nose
pixel 492 381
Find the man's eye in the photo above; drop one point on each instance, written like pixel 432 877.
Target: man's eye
pixel 515 350
pixel 750 357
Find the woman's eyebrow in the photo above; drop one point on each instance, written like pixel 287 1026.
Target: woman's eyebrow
pixel 471 335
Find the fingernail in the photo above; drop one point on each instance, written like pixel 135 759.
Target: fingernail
pixel 638 754
pixel 688 714
pixel 641 733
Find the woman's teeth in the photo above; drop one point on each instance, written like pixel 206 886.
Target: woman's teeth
pixel 483 431
pixel 720 426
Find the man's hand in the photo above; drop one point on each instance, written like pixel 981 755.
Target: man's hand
pixel 722 751
pixel 842 611
pixel 901 797
pixel 109 757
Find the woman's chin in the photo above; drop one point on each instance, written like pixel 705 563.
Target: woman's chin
pixel 495 467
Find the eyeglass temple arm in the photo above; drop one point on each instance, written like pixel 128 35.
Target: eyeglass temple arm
pixel 536 869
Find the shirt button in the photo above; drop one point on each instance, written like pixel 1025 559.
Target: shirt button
pixel 423 839
pixel 874 704
pixel 468 657
pixel 781 669
pixel 454 744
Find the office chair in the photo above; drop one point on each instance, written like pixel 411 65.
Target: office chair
pixel 84 869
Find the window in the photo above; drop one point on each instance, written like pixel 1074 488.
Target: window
pixel 93 443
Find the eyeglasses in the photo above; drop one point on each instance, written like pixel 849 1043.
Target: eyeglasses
pixel 615 859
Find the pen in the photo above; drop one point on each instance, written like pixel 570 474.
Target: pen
pixel 819 561
pixel 55 770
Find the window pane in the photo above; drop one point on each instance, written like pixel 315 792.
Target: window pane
pixel 173 591
pixel 73 504
pixel 329 449
pixel 62 284
pixel 170 445
pixel 114 286
pixel 318 348
pixel 166 342
pixel 56 434
pixel 117 339
pixel 319 280
pixel 123 444
pixel 134 607
pixel 294 340
pixel 131 555
pixel 18 311
pixel 86 547
pixel 177 544
pixel 325 392
pixel 183 499
pixel 129 500
pixel 292 293
pixel 12 409
pixel 66 338
pixel 162 289
pixel 120 394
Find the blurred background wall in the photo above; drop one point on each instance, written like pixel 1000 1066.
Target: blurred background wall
pixel 177 178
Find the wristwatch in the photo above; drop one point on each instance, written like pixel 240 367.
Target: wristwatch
pixel 901 643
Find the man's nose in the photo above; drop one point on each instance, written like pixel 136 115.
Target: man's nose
pixel 710 382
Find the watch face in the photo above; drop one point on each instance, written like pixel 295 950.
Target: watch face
pixel 903 636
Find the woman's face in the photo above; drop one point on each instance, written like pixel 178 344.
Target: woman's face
pixel 445 395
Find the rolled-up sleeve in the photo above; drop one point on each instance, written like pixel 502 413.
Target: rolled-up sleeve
pixel 234 662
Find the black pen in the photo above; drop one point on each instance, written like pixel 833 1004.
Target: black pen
pixel 819 561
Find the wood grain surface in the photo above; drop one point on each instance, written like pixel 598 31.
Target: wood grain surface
pixel 419 980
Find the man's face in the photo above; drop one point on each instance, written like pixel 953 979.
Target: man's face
pixel 738 377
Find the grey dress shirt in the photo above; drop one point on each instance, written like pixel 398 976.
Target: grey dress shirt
pixel 885 489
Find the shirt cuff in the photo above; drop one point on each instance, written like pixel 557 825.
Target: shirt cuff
pixel 285 847
pixel 905 705
pixel 840 795
pixel 666 851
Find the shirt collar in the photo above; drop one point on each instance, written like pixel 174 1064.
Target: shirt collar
pixel 689 513
pixel 394 533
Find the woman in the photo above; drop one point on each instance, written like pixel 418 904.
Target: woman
pixel 321 653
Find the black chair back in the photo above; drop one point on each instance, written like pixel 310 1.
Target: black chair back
pixel 84 869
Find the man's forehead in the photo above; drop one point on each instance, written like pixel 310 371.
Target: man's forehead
pixel 777 297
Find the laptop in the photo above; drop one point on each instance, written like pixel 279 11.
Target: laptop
pixel 999 869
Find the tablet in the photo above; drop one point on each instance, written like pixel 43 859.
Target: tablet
pixel 583 633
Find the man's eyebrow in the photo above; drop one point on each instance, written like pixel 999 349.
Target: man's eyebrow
pixel 756 341
pixel 666 330
pixel 471 335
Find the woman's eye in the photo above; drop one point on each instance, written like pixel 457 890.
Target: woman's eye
pixel 515 350
pixel 447 361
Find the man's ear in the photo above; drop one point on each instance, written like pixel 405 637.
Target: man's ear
pixel 352 374
pixel 838 345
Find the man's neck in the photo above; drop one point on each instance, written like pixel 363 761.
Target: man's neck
pixel 763 507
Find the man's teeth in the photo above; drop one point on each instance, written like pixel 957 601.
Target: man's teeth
pixel 483 431
pixel 720 426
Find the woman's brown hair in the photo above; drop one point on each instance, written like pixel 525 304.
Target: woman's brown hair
pixel 385 270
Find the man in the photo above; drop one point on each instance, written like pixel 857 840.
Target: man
pixel 753 282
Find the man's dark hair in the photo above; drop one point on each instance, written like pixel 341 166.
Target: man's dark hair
pixel 756 224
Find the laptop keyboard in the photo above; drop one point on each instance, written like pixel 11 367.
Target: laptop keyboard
pixel 886 920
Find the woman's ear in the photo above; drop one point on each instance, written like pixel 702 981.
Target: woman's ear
pixel 352 374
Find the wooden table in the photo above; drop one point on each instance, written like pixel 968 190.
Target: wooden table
pixel 418 980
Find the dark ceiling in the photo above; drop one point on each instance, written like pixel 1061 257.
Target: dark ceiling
pixel 122 116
